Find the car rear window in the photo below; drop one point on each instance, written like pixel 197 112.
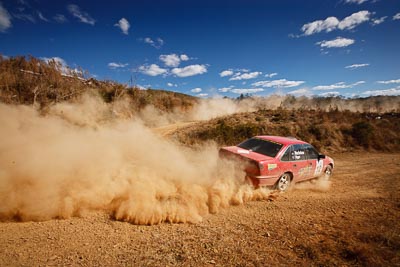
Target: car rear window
pixel 261 146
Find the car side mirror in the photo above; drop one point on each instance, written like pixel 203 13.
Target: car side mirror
pixel 321 156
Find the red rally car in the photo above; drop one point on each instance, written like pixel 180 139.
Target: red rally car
pixel 277 162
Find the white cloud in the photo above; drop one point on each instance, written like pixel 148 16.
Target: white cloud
pixel 202 95
pixel 328 25
pixel 338 42
pixel 245 76
pixel 113 65
pixel 143 87
pixel 226 73
pixel 82 16
pixel 282 83
pixel 354 19
pixel 23 2
pixel 196 90
pixel 356 66
pixel 152 70
pixel 391 91
pixel 60 18
pixel 247 91
pixel 26 17
pixel 124 25
pixel 158 43
pixel 332 23
pixel 397 16
pixel 308 92
pixel 270 75
pixel 172 85
pixel 61 65
pixel 172 60
pixel 5 19
pixel 355 1
pixel 40 15
pixel 190 70
pixel 358 83
pixel 389 81
pixel 378 21
pixel 224 89
pixel 333 93
pixel 184 57
pixel 301 91
pixel 243 70
pixel 27 13
pixel 57 60
pixel 339 85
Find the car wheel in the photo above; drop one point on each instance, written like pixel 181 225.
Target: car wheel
pixel 283 182
pixel 328 172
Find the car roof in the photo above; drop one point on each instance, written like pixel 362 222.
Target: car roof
pixel 280 139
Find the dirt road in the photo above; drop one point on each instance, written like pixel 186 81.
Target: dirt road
pixel 355 222
pixel 169 129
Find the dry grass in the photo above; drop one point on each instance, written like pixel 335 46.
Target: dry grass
pixel 331 131
pixel 30 81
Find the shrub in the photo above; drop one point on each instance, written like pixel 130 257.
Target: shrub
pixel 316 131
pixel 362 133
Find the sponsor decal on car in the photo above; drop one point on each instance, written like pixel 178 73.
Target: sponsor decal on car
pixel 305 171
pixel 272 166
pixel 318 169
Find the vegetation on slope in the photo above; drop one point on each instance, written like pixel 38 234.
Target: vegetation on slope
pixel 333 130
pixel 30 81
pixel 331 123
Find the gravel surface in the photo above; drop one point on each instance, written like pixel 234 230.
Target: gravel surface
pixel 354 222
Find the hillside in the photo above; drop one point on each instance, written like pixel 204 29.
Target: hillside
pixel 30 81
pixel 330 123
pixel 326 130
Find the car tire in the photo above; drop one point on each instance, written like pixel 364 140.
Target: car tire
pixel 328 172
pixel 284 182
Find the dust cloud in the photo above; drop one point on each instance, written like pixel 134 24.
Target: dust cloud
pixel 320 184
pixel 206 109
pixel 216 107
pixel 91 156
pixel 211 108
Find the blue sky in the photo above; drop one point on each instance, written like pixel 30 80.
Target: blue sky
pixel 217 48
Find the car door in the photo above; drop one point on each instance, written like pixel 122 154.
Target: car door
pixel 301 163
pixel 294 160
pixel 314 161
